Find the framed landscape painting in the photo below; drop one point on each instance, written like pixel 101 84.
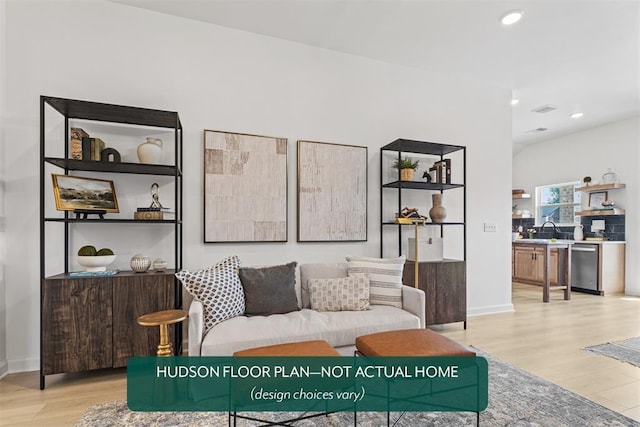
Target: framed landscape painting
pixel 89 194
pixel 245 188
pixel 332 192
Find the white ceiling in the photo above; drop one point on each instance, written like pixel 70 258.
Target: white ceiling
pixel 574 54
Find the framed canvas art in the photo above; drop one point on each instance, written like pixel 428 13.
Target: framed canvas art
pixel 245 188
pixel 87 194
pixel 332 192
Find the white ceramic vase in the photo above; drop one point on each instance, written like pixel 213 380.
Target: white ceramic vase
pixel 150 152
pixel 578 232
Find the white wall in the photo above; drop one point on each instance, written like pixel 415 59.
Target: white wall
pixel 222 79
pixel 590 153
pixel 3 88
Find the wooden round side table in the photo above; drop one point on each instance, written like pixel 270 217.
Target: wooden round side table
pixel 162 319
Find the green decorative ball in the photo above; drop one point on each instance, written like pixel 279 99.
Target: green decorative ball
pixel 87 251
pixel 104 251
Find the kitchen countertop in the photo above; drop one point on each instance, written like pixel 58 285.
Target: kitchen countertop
pixel 589 242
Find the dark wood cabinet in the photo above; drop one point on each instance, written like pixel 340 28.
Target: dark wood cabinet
pixel 90 323
pixel 444 285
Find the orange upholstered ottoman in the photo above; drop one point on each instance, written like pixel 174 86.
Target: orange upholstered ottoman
pixel 302 348
pixel 410 342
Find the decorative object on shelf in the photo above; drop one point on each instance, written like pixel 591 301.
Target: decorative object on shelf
pixel 86 194
pixel 587 181
pixel 412 215
pixel 596 199
pixel 443 171
pixel 150 152
pixel 426 176
pixel 155 197
pixel 407 168
pixel 437 213
pixel 608 203
pixel 332 192
pixel 578 232
pixel 154 215
pixel 609 177
pixel 76 135
pixel 159 265
pixel 244 174
pixel 110 155
pixel 94 260
pixel 140 263
pixel 425 249
pixel 531 232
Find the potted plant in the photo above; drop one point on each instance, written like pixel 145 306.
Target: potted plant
pixel 407 167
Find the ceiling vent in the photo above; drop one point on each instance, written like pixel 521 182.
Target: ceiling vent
pixel 545 108
pixel 537 130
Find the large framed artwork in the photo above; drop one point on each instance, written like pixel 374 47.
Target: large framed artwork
pixel 332 192
pixel 245 188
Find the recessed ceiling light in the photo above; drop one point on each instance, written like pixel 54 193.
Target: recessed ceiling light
pixel 511 17
pixel 514 101
pixel 577 115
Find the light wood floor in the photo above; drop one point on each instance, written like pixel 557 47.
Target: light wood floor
pixel 545 339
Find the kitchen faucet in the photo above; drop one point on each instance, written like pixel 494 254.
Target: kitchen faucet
pixel 556 231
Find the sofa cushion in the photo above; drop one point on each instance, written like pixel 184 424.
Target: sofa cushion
pixel 385 278
pixel 339 328
pixel 269 290
pixel 340 294
pixel 318 271
pixel 218 288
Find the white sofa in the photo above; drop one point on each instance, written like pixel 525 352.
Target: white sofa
pixel 339 328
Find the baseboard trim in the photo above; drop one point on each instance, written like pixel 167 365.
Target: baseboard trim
pixel 4 369
pixel 23 365
pixel 490 309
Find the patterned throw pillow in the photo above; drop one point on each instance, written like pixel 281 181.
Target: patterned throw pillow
pixel 385 278
pixel 341 294
pixel 219 290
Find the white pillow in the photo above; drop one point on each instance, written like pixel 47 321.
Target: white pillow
pixel 219 290
pixel 385 278
pixel 341 294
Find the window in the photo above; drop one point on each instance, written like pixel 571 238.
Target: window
pixel 558 203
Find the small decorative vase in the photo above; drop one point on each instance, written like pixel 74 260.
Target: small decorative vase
pixel 438 212
pixel 140 263
pixel 406 174
pixel 150 152
pixel 578 232
pixel 159 264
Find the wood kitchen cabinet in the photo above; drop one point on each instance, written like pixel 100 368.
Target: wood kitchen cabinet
pixel 528 265
pixel 444 285
pixel 90 323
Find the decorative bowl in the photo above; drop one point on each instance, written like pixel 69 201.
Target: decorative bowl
pixel 159 264
pixel 96 263
pixel 140 263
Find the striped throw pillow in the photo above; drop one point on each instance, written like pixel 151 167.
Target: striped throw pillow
pixel 385 278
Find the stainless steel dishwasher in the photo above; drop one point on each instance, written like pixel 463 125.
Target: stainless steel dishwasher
pixel 584 267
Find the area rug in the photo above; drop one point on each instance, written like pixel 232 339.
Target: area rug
pixel 626 351
pixel 516 398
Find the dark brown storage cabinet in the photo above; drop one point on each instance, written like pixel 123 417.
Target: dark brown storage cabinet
pixel 444 282
pixel 90 322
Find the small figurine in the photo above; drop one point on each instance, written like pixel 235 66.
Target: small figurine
pixel 155 189
pixel 426 175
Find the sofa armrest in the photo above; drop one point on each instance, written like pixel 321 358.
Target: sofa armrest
pixel 413 301
pixel 196 327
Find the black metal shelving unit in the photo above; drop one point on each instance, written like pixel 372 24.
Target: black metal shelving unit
pixel 401 147
pixel 71 109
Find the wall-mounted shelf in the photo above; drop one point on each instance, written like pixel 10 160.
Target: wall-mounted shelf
pixel 521 196
pixel 601 187
pixel 520 216
pixel 601 212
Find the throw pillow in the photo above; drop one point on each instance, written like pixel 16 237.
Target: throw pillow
pixel 269 290
pixel 385 278
pixel 342 294
pixel 219 290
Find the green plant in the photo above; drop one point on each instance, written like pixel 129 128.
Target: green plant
pixel 586 179
pixel 104 252
pixel 87 251
pixel 405 163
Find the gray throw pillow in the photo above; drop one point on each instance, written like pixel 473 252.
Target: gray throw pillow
pixel 269 290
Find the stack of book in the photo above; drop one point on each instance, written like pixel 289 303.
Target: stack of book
pixel 154 214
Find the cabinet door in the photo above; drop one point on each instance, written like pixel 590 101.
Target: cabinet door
pixel 451 292
pixel 76 325
pixel 524 266
pixel 539 255
pixel 135 294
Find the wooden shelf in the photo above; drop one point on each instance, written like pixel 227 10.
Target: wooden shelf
pixel 601 212
pixel 601 187
pixel 519 216
pixel 521 196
